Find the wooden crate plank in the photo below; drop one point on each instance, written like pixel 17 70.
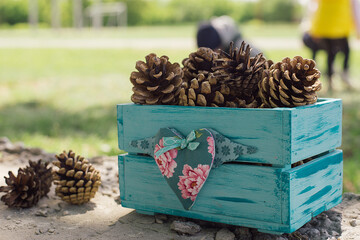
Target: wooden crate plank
pixel 262 128
pixel 316 129
pixel 120 125
pixel 282 135
pixel 121 160
pixel 232 190
pixel 246 222
pixel 315 186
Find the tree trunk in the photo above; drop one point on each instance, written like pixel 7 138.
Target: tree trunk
pixel 33 13
pixel 77 14
pixel 55 14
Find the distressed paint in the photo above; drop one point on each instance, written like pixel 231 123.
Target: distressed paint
pixel 273 199
pixel 266 198
pixel 282 135
pixel 315 129
pixel 315 188
pixel 253 188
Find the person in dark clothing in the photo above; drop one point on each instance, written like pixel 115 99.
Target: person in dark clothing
pixel 218 33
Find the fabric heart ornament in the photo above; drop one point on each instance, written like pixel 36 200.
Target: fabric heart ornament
pixel 185 162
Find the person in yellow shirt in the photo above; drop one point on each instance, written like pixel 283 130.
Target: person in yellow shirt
pixel 331 24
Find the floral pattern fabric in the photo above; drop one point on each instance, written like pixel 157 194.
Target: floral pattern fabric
pixel 166 162
pixel 192 180
pixel 185 170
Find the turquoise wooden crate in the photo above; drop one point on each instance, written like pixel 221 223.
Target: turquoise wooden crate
pixel 275 198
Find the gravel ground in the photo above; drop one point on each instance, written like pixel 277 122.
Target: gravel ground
pixel 104 218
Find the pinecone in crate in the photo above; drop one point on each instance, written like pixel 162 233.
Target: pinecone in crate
pixel 45 175
pixel 157 81
pixel 199 62
pixel 22 190
pixel 290 83
pixel 76 179
pixel 202 91
pixel 241 73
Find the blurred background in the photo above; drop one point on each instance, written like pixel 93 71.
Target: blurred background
pixel 65 64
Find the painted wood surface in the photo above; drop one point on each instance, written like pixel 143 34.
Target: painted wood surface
pixel 315 129
pixel 282 135
pixel 266 198
pixel 253 189
pixel 315 188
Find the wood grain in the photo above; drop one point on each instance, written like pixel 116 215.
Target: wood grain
pixel 315 187
pixel 282 135
pixel 267 198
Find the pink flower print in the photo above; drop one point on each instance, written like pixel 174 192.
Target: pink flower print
pixel 191 183
pixel 165 161
pixel 211 147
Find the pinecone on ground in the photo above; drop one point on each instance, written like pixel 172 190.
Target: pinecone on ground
pixel 157 81
pixel 290 83
pixel 199 62
pixel 240 72
pixel 45 175
pixel 22 190
pixel 202 91
pixel 77 179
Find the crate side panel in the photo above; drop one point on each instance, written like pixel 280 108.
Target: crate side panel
pixel 120 125
pixel 316 129
pixel 260 128
pixel 315 186
pixel 232 190
pixel 121 160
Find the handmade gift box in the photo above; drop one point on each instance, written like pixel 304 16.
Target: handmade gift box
pixel 270 169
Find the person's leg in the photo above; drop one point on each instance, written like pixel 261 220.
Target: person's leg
pixel 330 48
pixel 346 50
pixel 311 44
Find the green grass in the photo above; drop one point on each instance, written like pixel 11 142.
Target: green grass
pixel 65 99
pixel 248 30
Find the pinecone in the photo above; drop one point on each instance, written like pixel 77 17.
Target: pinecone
pixel 23 190
pixel 202 91
pixel 199 62
pixel 240 72
pixel 76 178
pixel 157 81
pixel 290 83
pixel 44 174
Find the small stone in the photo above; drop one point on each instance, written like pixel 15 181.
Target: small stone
pixel 44 205
pixel 303 230
pixel 243 233
pixel 37 232
pixel 51 230
pixel 17 221
pixel 65 213
pixel 107 193
pixel 41 213
pixel 145 219
pixel 43 230
pixel 15 148
pixel 225 234
pixel 35 151
pixel 185 227
pixel 160 218
pixel 313 233
pixel 8 217
pixel 353 223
